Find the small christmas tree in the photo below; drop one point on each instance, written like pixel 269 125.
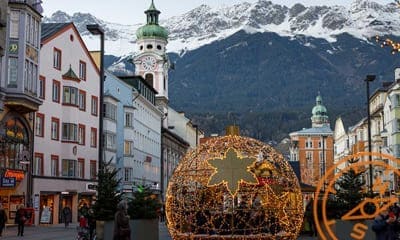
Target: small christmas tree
pixel 107 194
pixel 349 190
pixel 144 204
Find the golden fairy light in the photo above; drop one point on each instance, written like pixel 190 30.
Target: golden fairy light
pixel 387 42
pixel 234 187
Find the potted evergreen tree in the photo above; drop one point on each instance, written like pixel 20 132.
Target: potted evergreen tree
pixel 143 209
pixel 107 200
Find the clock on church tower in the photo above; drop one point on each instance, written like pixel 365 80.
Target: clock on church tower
pixel 152 62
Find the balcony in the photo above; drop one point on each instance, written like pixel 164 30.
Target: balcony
pixel 22 103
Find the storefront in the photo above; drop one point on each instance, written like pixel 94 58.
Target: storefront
pixel 15 153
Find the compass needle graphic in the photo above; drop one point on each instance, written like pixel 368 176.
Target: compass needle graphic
pixel 368 207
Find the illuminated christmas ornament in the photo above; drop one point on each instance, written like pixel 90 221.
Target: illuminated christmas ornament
pixel 234 187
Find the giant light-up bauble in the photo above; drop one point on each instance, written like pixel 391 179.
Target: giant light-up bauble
pixel 234 187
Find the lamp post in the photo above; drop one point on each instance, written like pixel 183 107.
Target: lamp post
pixel 95 29
pixel 368 79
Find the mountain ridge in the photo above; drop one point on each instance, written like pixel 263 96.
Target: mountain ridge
pixel 265 63
pixel 203 25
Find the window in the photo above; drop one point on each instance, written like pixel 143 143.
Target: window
pixel 68 168
pixel 38 164
pixel 54 166
pixel 309 143
pixel 57 58
pixel 94 105
pixel 81 134
pixel 69 132
pixel 149 46
pixel 70 96
pixel 321 164
pixel 42 87
pixel 93 169
pixel 110 111
pixel 309 160
pixel 149 79
pixel 14 24
pixel 82 70
pixel 128 148
pixel 81 168
pixel 128 119
pixel 82 100
pixel 93 137
pixel 128 174
pixel 39 125
pixel 56 91
pixel 110 141
pixel 12 72
pixel 159 47
pixel 55 128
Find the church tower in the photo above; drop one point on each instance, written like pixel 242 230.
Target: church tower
pixel 152 62
pixel 319 114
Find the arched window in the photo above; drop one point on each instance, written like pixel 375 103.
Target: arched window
pixel 149 79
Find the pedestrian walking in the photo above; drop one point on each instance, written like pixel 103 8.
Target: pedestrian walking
pixel 3 219
pixel 67 215
pixel 20 219
pixel 122 230
pixel 91 223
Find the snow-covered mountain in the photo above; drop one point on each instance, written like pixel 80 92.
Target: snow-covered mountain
pixel 204 24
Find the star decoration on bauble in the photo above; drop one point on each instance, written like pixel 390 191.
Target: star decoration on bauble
pixel 231 170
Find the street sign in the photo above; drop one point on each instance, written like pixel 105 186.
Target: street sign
pixel 91 187
pixel 7 182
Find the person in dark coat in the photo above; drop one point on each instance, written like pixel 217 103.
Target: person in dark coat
pixel 383 226
pixel 67 215
pixel 20 219
pixel 91 223
pixel 122 230
pixel 3 219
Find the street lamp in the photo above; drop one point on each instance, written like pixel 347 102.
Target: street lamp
pixel 95 29
pixel 368 79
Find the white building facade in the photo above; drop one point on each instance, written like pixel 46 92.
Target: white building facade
pixel 66 125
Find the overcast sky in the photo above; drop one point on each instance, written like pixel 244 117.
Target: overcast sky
pixel 132 11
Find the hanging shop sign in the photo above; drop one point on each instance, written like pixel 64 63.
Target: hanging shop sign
pixel 17 174
pixel 7 182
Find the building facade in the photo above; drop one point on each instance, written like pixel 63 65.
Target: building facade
pixel 19 99
pixel 66 125
pixel 313 147
pixel 119 128
pixel 146 165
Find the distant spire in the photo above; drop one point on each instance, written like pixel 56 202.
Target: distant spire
pixel 152 14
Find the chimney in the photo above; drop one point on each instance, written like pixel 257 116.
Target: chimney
pixel 232 130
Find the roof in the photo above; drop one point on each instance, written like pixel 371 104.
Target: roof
pixel 48 29
pixel 315 131
pixel 296 169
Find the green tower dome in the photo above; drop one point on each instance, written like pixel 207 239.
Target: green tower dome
pixel 319 113
pixel 152 29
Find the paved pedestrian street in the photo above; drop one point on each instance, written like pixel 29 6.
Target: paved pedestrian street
pixel 59 232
